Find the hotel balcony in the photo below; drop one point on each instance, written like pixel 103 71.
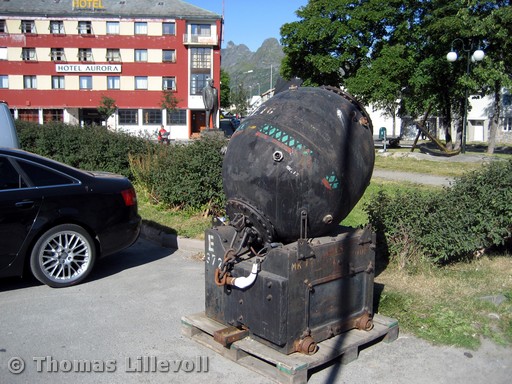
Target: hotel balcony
pixel 200 40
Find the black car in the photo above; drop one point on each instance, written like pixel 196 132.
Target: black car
pixel 56 220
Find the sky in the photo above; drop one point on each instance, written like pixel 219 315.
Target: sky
pixel 250 22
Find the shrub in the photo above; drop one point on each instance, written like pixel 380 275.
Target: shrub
pixel 184 176
pixel 88 148
pixel 472 215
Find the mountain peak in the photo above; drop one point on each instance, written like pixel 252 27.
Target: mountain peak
pixel 254 69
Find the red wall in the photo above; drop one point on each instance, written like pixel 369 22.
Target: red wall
pixel 28 98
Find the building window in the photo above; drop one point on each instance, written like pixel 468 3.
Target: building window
pixel 169 55
pixel 177 117
pixel 57 54
pixel 3 53
pixel 169 83
pixel 57 82
pixel 85 82
pixel 57 27
pixel 29 82
pixel 197 83
pixel 28 115
pixel 141 28
pixel 141 55
pixel 141 82
pixel 28 26
pixel 3 27
pixel 200 69
pixel 112 27
pixel 28 54
pixel 4 81
pixel 201 30
pixel 113 54
pixel 152 116
pixel 53 115
pixel 168 28
pixel 201 58
pixel 507 124
pixel 85 54
pixel 113 82
pixel 127 116
pixel 84 27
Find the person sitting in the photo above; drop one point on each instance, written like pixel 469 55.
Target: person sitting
pixel 163 135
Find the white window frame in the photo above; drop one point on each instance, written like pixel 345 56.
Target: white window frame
pixel 28 54
pixel 141 55
pixel 141 82
pixel 85 82
pixel 57 27
pixel 169 23
pixel 58 82
pixel 84 27
pixel 165 83
pixel 113 27
pixel 57 54
pixel 85 54
pixel 29 82
pixel 507 124
pixel 4 81
pixel 28 26
pixel 113 54
pixel 140 28
pixel 113 82
pixel 171 52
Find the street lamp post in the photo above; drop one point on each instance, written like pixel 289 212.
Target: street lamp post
pixel 271 75
pixel 452 56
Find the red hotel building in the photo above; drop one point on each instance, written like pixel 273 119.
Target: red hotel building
pixel 58 58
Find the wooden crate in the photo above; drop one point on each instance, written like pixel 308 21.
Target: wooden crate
pixel 287 368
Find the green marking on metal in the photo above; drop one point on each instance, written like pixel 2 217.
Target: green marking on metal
pixel 285 138
pixel 333 180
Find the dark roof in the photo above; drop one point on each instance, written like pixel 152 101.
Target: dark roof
pixel 110 8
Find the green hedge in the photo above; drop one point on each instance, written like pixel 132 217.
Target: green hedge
pixel 178 176
pixel 88 148
pixel 469 217
pixel 184 176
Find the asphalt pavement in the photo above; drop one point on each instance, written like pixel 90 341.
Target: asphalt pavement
pixel 420 178
pixel 127 316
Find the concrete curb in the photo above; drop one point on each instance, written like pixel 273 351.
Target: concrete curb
pixel 168 240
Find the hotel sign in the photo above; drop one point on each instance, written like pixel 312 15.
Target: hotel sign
pixel 88 4
pixel 87 68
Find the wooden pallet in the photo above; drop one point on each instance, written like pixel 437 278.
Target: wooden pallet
pixel 287 368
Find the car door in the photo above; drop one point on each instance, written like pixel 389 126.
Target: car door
pixel 19 205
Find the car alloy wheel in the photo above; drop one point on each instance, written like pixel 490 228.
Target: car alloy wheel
pixel 63 256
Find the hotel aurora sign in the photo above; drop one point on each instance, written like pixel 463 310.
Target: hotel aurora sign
pixel 88 68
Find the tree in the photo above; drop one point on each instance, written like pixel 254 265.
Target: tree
pixel 225 90
pixel 107 108
pixel 239 99
pixel 393 53
pixel 333 39
pixel 497 69
pixel 169 101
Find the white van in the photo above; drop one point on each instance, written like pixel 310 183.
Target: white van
pixel 8 135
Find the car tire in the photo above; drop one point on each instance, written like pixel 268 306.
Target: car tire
pixel 63 256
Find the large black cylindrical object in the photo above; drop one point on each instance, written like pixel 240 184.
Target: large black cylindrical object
pixel 299 164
